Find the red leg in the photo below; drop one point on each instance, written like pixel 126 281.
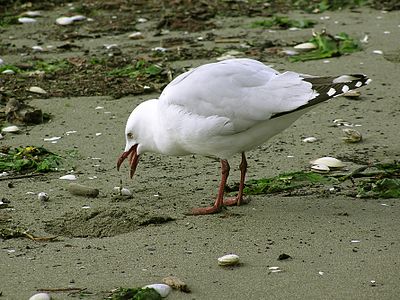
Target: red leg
pixel 220 197
pixel 239 198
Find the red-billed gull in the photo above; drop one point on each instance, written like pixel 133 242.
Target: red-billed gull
pixel 220 109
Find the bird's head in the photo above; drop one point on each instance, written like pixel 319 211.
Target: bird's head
pixel 137 135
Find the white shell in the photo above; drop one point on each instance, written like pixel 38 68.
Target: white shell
pixel 53 139
pixel 37 48
pixel 77 18
pixel 136 35
pixel 40 296
pixel 320 168
pixel 162 289
pixel 37 90
pixel 331 162
pixel 68 177
pixel 8 71
pixel 1 136
pixel 1 61
pixel 228 260
pixel 305 46
pixel 125 192
pixel 25 20
pixel 64 21
pixel 310 139
pixel 42 196
pixel 11 129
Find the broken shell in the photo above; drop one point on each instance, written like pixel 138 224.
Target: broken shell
pixel 37 90
pixel 161 288
pixel 77 18
pixel 32 13
pixel 305 47
pixel 64 21
pixel 1 136
pixel 136 35
pixel 320 168
pixel 176 283
pixel 228 260
pixel 377 52
pixel 352 136
pixel 68 177
pixel 25 20
pixel 328 161
pixel 42 196
pixel 125 192
pixel 352 94
pixel 11 129
pixel 69 20
pixel 52 139
pixel 37 48
pixel 310 139
pixel 40 296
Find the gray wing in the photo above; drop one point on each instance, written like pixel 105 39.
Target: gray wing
pixel 237 93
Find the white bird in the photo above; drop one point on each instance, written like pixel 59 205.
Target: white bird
pixel 220 109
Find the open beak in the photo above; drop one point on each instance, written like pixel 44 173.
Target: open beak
pixel 133 159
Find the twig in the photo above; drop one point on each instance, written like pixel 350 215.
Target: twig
pixel 62 290
pixel 39 239
pixel 20 176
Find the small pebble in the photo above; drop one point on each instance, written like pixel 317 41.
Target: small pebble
pixel 82 190
pixel 42 196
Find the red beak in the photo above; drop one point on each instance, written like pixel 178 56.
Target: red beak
pixel 133 159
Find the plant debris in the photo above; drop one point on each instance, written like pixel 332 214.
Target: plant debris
pixel 283 22
pixel 328 46
pixel 285 182
pixel 28 159
pixel 383 181
pixel 134 294
pixel 12 233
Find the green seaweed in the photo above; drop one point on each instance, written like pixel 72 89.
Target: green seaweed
pixel 381 188
pixel 135 294
pixel 285 182
pixel 283 22
pixel 328 46
pixel 30 158
pixel 324 5
pixel 140 69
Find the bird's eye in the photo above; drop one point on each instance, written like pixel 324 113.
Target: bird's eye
pixel 130 135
